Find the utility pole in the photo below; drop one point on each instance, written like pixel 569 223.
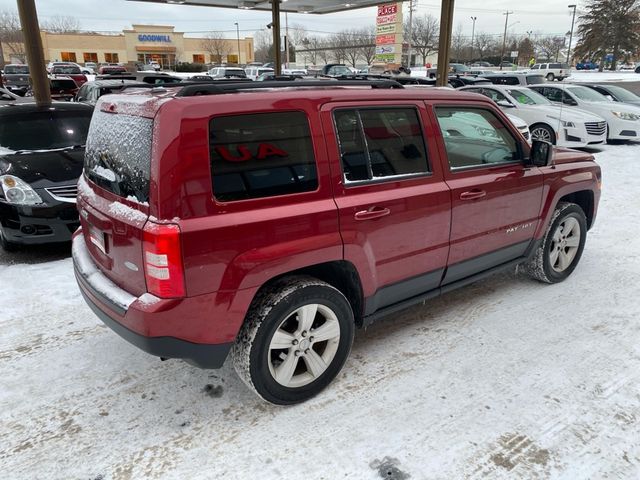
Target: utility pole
pixel 411 7
pixel 446 27
pixel 571 35
pixel 504 38
pixel 473 31
pixel 275 21
pixel 35 54
pixel 238 37
pixel 286 38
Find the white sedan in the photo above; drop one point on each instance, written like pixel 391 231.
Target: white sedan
pixel 623 121
pixel 562 126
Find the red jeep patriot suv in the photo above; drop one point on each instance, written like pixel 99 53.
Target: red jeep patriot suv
pixel 269 221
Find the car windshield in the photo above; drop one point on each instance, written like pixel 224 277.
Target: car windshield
pixel 587 94
pixel 622 94
pixel 459 67
pixel 45 130
pixel 528 97
pixel 16 70
pixel 67 70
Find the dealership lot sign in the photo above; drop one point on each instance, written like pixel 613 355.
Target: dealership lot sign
pixel 389 33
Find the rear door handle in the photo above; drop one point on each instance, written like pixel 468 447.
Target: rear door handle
pixel 473 194
pixel 373 212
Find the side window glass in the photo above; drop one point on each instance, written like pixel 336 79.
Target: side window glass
pixel 543 66
pixel 535 67
pixel 261 155
pixel 380 143
pixel 475 137
pixel 553 94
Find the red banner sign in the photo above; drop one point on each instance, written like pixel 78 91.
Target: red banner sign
pixel 389 9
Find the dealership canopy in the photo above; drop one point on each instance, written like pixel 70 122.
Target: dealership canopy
pixel 291 6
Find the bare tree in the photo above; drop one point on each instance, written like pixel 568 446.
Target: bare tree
pixel 324 53
pixel 11 35
pixel 217 46
pixel 458 43
pixel 262 42
pixel 550 46
pixel 424 35
pixel 484 45
pixel 352 41
pixel 313 45
pixel 61 24
pixel 367 44
pixel 339 44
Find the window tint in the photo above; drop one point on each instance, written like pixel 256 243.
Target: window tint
pixel 543 66
pixel 475 137
pixel 261 155
pixel 555 65
pixel 378 143
pixel 535 67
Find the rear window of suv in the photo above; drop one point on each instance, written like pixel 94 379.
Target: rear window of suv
pixel 261 155
pixel 118 154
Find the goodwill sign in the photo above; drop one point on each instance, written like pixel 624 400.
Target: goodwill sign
pixel 154 38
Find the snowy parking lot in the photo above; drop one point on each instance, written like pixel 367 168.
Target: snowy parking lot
pixel 506 378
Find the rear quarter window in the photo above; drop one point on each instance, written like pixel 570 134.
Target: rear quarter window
pixel 261 155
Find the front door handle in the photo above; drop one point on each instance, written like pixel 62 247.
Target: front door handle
pixel 373 212
pixel 473 194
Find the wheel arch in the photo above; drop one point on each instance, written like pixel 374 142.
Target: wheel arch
pixel 340 274
pixel 585 200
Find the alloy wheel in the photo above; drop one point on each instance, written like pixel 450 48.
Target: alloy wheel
pixel 564 244
pixel 304 345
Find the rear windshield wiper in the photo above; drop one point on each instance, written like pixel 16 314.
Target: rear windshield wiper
pixel 58 149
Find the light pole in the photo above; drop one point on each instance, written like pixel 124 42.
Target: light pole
pixel 504 37
pixel 238 37
pixel 571 34
pixel 473 31
pixel 411 7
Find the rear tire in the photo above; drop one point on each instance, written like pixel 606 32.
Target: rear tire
pixel 550 77
pixel 561 248
pixel 295 340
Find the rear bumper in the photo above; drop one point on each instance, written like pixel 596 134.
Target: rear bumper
pixel 115 306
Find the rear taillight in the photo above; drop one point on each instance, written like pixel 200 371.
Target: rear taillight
pixel 163 268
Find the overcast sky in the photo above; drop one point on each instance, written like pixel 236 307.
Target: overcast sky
pixel 543 16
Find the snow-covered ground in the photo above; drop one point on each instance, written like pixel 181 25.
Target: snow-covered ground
pixel 507 378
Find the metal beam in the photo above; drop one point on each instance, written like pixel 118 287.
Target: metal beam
pixel 275 19
pixel 444 46
pixel 33 47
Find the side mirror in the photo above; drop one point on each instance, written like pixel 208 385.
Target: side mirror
pixel 541 153
pixel 570 101
pixel 505 103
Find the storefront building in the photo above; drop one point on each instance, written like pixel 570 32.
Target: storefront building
pixel 144 43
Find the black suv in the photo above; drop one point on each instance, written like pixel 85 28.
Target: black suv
pixel 41 158
pixel 91 91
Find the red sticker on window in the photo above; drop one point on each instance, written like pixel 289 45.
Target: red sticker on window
pixel 265 150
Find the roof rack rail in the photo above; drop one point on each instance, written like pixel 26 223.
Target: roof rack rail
pixel 221 88
pixel 401 79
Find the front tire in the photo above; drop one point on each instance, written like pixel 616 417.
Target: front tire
pixel 543 132
pixel 561 248
pixel 295 340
